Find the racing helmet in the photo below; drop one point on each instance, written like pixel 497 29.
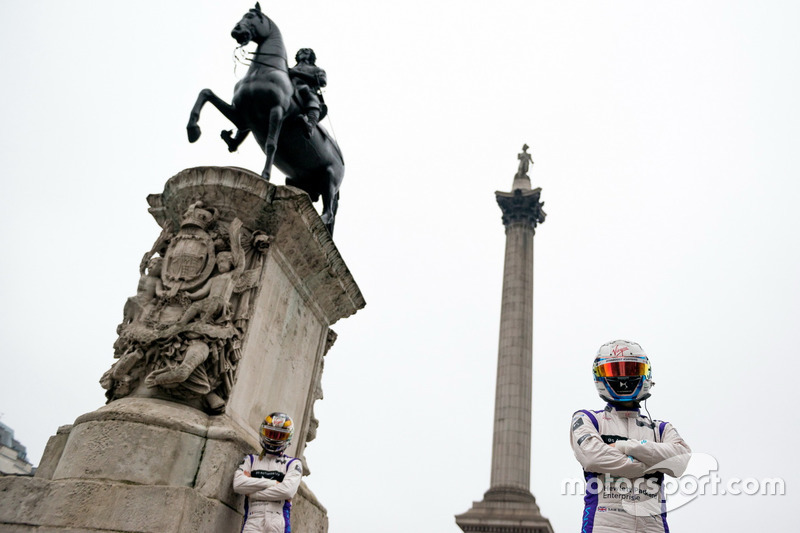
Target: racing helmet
pixel 622 372
pixel 276 432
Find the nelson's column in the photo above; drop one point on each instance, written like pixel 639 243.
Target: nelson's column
pixel 508 506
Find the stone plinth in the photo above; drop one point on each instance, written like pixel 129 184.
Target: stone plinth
pixel 155 461
pixel 503 516
pixel 305 288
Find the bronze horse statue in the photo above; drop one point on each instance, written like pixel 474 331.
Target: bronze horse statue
pixel 264 102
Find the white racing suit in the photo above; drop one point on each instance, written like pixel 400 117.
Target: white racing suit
pixel 624 483
pixel 272 483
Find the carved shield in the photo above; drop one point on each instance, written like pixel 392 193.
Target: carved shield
pixel 189 259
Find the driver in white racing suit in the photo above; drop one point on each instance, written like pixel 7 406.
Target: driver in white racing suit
pixel 624 454
pixel 270 479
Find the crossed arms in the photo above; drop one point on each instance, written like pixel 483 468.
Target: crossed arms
pixel 627 458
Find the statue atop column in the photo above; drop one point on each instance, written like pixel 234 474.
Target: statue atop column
pixel 282 109
pixel 525 160
pixel 522 182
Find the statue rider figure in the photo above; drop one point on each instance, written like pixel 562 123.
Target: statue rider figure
pixel 307 79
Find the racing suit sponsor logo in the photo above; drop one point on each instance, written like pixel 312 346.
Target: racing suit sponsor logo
pixel 621 488
pixel 268 474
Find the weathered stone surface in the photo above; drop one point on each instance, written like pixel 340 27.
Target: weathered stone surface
pixel 511 445
pixel 307 510
pixel 136 440
pixel 504 517
pixel 156 460
pixel 230 245
pixel 151 411
pixel 52 453
pixel 304 287
pixel 152 455
pixel 283 348
pixel 116 486
pixel 215 473
pixel 106 506
pixel 180 336
pixel 12 528
pixel 283 212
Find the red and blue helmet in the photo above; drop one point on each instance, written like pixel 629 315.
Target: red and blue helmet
pixel 622 372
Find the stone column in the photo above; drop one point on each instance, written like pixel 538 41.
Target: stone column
pixel 508 505
pixel 194 374
pixel 511 447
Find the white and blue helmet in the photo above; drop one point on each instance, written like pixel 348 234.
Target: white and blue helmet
pixel 622 372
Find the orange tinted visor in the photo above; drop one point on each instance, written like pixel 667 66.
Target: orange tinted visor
pixel 620 369
pixel 274 434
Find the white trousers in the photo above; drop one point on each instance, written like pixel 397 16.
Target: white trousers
pixel 259 520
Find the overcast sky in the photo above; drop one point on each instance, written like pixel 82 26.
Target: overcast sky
pixel 665 138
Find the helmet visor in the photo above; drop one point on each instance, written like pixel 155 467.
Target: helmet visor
pixel 275 434
pixel 618 369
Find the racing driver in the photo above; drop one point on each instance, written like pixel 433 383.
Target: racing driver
pixel 270 479
pixel 625 454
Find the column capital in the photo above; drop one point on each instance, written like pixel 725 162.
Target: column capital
pixel 521 206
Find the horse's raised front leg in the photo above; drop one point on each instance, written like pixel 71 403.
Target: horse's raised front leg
pixel 206 95
pixel 234 142
pixel 271 142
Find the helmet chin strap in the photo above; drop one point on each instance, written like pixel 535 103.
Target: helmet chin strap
pixel 629 404
pixel 265 451
pixel 655 436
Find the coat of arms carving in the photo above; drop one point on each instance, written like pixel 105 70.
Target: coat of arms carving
pixel 180 337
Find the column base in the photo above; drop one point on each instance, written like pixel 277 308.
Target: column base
pixel 504 510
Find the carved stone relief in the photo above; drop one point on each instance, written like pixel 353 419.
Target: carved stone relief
pixel 181 333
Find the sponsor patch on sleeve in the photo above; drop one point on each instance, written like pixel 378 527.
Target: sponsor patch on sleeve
pixel 578 423
pixel 583 438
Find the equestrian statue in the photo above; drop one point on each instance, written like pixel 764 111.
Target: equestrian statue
pixel 282 107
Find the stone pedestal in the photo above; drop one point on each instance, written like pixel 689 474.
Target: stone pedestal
pixel 156 460
pixel 508 506
pixel 503 516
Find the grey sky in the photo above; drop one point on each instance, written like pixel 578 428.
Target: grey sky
pixel 665 138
